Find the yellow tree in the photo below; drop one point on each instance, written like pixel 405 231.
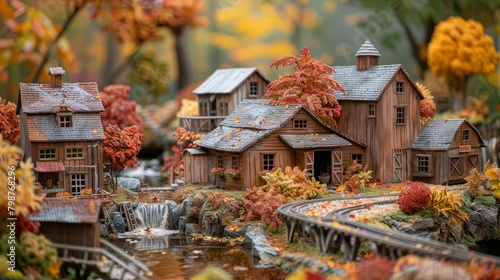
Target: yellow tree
pixel 459 49
pixel 427 105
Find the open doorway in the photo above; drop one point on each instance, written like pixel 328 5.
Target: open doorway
pixel 322 163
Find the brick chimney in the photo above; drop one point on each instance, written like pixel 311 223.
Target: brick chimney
pixel 367 56
pixel 56 74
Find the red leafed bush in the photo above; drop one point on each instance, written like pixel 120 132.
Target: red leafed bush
pixel 376 268
pixel 119 110
pixel 262 205
pixel 10 126
pixel 415 198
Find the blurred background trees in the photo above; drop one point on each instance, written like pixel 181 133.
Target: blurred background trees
pixel 160 47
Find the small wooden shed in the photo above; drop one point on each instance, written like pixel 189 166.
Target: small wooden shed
pixel 70 221
pixel 195 166
pixel 445 151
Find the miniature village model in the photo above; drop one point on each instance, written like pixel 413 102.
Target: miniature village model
pixel 379 126
pixel 61 132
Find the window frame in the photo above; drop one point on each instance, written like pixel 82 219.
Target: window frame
pixel 400 87
pixel 222 108
pixel 235 162
pixel 76 189
pixel 219 160
pixel 268 160
pixel 300 123
pixel 355 157
pixel 423 165
pixel 466 135
pixel 398 117
pixel 65 120
pixel 253 89
pixel 52 152
pixel 72 152
pixel 371 110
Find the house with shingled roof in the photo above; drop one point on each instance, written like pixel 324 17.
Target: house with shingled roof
pixel 445 150
pixel 258 136
pixel 221 93
pixel 380 108
pixel 61 132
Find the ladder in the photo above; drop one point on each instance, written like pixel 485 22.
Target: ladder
pixel 129 216
pixel 107 219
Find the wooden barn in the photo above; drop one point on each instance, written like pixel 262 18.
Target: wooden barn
pixel 61 131
pixel 260 137
pixel 445 151
pixel 195 166
pixel 221 93
pixel 70 222
pixel 380 108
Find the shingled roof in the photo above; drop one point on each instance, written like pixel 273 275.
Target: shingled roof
pixel 41 98
pixel 68 211
pixel 85 127
pixel 314 141
pixel 255 119
pixel 224 81
pixel 438 134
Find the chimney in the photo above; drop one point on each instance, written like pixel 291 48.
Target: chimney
pixel 56 73
pixel 367 56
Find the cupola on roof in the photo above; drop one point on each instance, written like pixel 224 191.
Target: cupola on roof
pixel 367 49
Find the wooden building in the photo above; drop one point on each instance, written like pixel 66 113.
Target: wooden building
pixel 260 137
pixel 221 93
pixel 195 166
pixel 70 222
pixel 61 132
pixel 380 108
pixel 445 151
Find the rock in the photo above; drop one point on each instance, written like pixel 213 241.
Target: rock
pixel 182 223
pixel 232 233
pixel 192 228
pixel 180 182
pixel 482 216
pixel 210 223
pixel 173 187
pixel 174 213
pixel 132 184
pixel 260 246
pixel 104 230
pixel 186 204
pixel 198 200
pixel 119 223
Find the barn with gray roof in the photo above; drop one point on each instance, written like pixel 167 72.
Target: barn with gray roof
pixel 445 150
pixel 61 131
pixel 259 136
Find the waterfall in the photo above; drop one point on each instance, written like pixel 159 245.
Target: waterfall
pixel 153 215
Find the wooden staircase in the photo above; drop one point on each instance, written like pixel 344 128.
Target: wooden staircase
pixel 107 220
pixel 129 216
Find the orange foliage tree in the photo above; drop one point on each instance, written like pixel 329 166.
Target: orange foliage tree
pixel 119 110
pixel 10 127
pixel 122 147
pixel 311 84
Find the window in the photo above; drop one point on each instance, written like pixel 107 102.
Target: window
pixel 78 182
pixel 423 163
pixel 254 86
pixel 65 121
pixel 203 108
pixel 235 163
pixel 299 124
pixel 400 87
pixel 47 154
pixel 74 152
pixel 400 115
pixel 223 109
pixel 358 158
pixel 371 110
pixel 466 135
pixel 267 161
pixel 220 161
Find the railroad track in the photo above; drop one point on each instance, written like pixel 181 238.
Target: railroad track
pixel 327 222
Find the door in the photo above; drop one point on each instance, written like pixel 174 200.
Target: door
pixel 399 165
pixel 337 169
pixel 456 168
pixel 472 162
pixel 309 163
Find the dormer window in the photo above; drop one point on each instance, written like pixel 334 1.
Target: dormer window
pixel 254 89
pixel 65 120
pixel 299 123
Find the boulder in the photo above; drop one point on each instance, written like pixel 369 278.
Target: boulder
pixel 174 213
pixel 198 200
pixel 182 223
pixel 192 228
pixel 260 246
pixel 104 230
pixel 210 223
pixel 118 222
pixel 132 184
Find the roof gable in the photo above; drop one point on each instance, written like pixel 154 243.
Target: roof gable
pixel 439 134
pixel 45 128
pixel 367 85
pixel 224 81
pixel 69 211
pixel 41 98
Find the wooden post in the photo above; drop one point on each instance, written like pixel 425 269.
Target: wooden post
pixel 171 175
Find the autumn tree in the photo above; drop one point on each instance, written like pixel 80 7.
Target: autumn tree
pixel 311 84
pixel 122 147
pixel 118 109
pixel 459 49
pixel 427 105
pixel 10 126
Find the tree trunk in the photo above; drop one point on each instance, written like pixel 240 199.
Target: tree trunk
pixel 184 71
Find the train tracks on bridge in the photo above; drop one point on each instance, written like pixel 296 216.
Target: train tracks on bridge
pixel 327 222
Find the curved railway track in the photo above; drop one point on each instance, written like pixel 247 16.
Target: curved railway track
pixel 327 222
